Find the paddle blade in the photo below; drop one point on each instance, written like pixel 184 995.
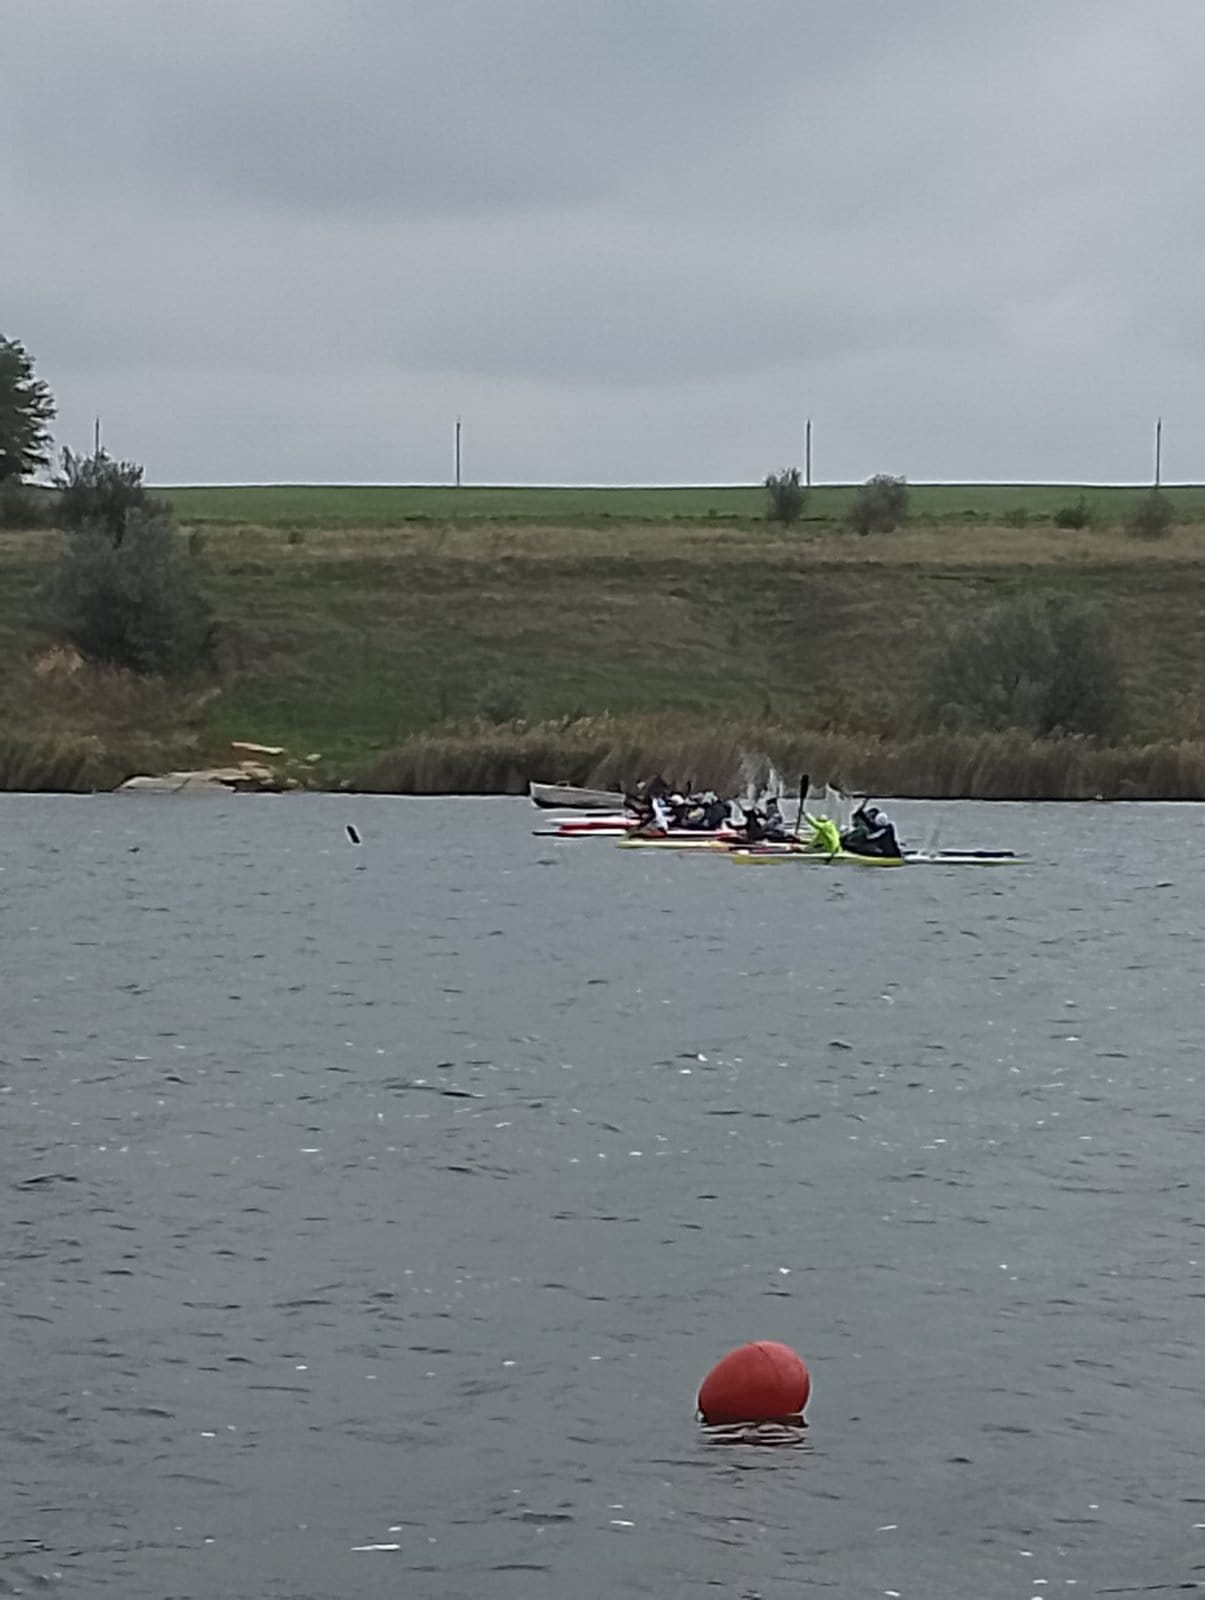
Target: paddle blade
pixel 805 783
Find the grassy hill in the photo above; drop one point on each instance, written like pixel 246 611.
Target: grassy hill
pixel 355 621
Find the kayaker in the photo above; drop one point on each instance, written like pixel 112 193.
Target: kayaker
pixel 654 788
pixel 826 836
pixel 754 829
pixel 872 833
pixel 664 814
pixel 675 806
pixel 715 812
pixel 693 813
pixel 775 827
pixel 640 808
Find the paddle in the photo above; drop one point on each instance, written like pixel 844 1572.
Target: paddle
pixel 804 784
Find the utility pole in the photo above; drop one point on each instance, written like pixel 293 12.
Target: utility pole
pixel 458 452
pixel 96 437
pixel 807 454
pixel 1158 451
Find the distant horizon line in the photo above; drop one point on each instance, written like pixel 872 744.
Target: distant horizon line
pixel 914 483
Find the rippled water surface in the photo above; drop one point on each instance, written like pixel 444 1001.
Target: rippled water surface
pixel 371 1215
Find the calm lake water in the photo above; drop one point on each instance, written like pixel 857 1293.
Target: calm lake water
pixel 371 1215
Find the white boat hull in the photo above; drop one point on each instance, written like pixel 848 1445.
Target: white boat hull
pixel 564 797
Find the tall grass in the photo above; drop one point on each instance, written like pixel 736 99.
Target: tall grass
pixel 613 752
pixel 55 764
pixel 72 728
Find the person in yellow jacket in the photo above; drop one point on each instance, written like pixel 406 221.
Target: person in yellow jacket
pixel 826 836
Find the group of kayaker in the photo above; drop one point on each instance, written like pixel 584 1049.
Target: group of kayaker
pixel 657 809
pixel 870 833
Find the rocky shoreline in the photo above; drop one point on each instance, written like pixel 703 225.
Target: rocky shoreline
pixel 251 773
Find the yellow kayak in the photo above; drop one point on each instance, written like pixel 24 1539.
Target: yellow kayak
pixel 827 848
pixel 759 858
pixel 914 858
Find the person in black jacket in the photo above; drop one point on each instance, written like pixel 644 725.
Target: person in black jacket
pixel 871 833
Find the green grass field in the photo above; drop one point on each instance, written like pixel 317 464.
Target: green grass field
pixel 347 629
pixel 352 506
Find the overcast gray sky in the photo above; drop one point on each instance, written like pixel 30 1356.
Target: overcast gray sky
pixel 627 241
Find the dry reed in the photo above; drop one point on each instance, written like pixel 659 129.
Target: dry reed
pixel 73 728
pixel 613 752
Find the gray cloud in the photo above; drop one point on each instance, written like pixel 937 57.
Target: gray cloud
pixel 631 241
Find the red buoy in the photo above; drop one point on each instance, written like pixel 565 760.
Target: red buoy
pixel 762 1382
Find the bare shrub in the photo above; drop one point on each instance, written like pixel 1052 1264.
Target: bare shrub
pixel 880 505
pixel 785 496
pixel 502 702
pixel 1078 515
pixel 1047 666
pixel 1152 517
pixel 132 602
pixel 97 489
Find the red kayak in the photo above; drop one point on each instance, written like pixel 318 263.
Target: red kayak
pixel 616 827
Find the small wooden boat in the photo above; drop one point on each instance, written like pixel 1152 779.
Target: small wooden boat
pixel 564 797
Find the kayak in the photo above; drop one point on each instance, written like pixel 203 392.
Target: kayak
pixel 910 858
pixel 717 843
pixel 621 828
pixel 572 827
pixel 823 858
pixel 624 834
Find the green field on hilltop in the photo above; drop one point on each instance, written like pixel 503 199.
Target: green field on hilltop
pixel 383 506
